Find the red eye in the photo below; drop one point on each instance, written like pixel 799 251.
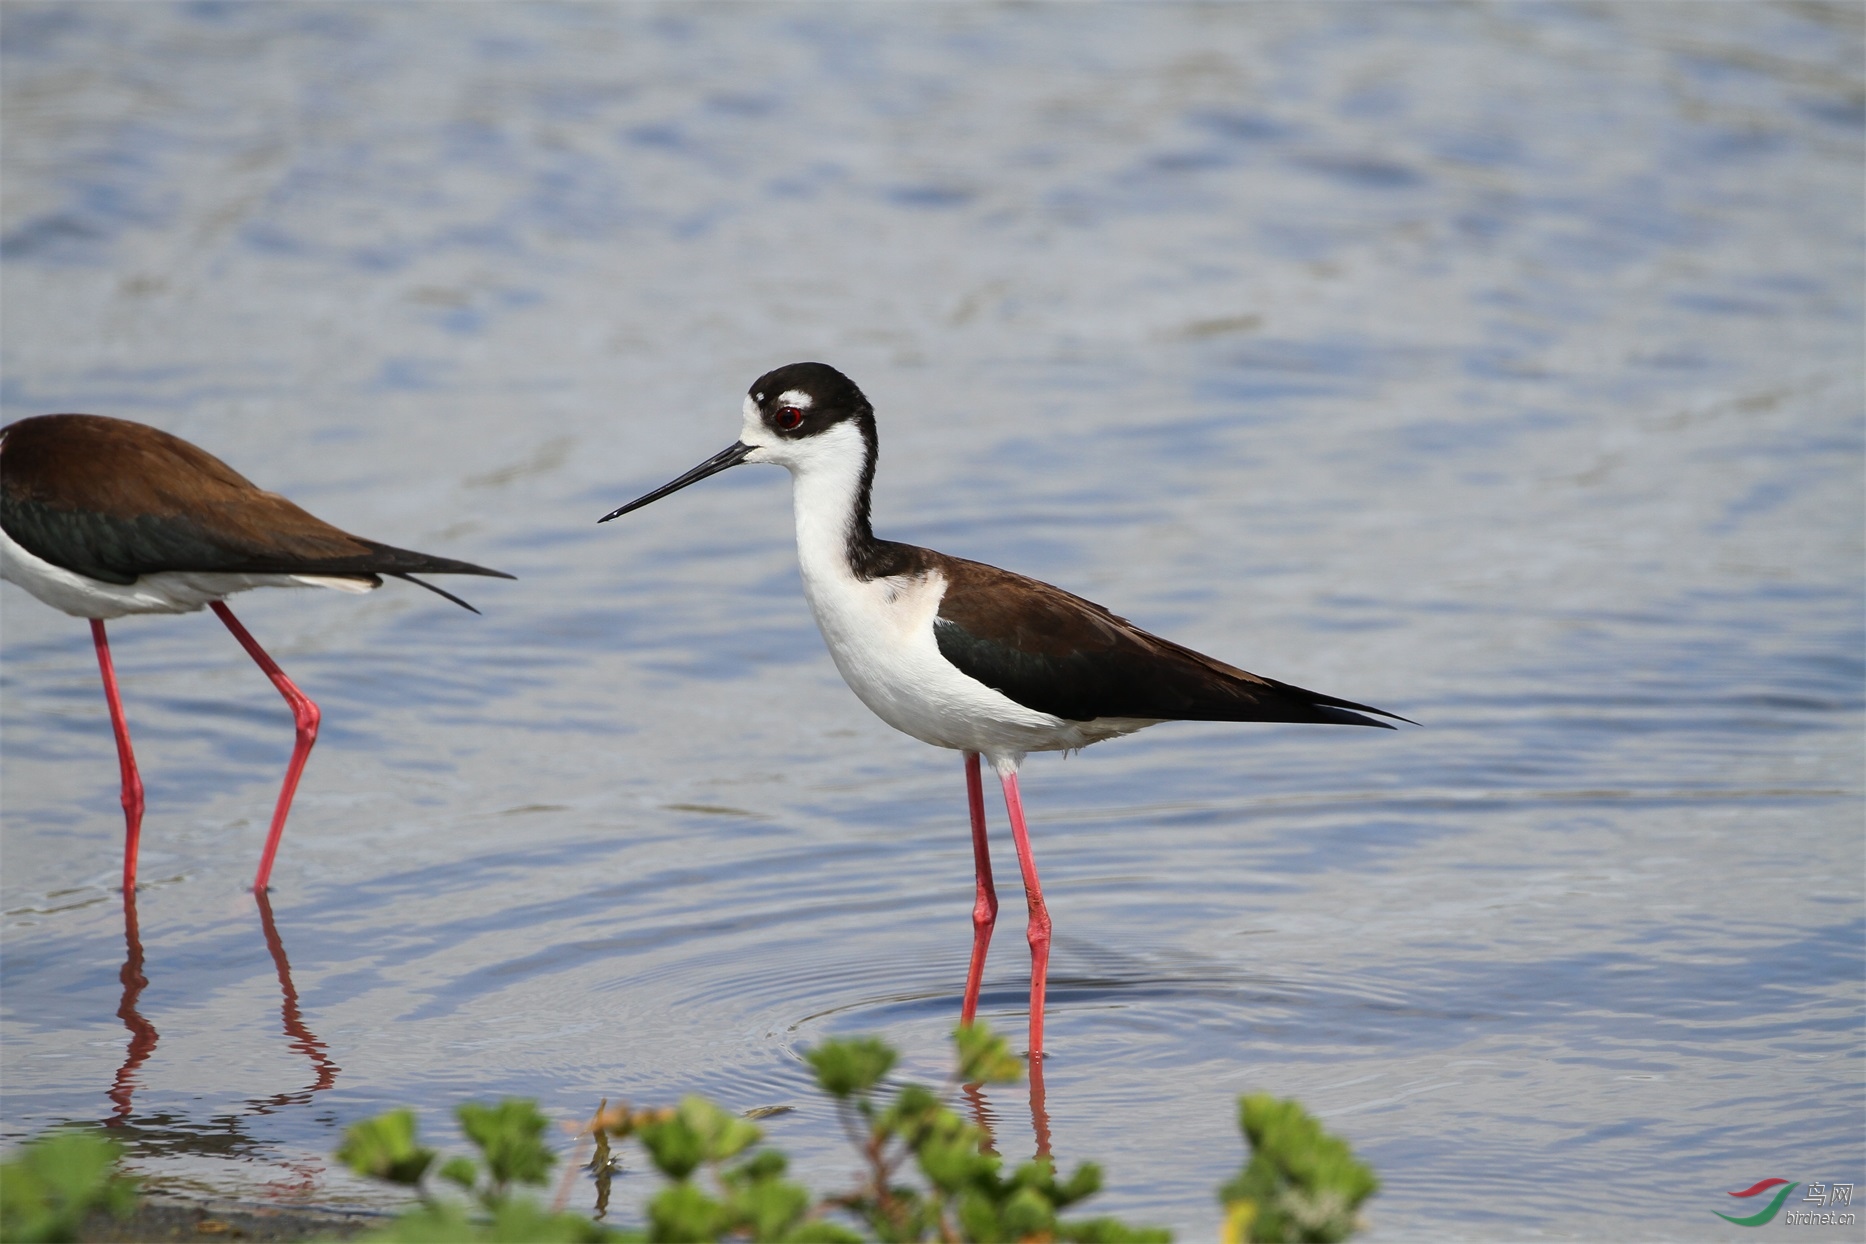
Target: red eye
pixel 789 418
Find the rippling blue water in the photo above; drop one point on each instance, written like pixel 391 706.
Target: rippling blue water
pixel 1498 365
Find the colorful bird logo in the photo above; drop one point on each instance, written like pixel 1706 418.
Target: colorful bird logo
pixel 1767 1212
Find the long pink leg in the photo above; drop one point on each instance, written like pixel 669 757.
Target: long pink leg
pixel 985 906
pixel 1039 928
pixel 132 797
pixel 305 717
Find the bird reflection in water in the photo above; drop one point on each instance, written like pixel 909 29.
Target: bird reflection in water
pixel 303 1039
pixel 143 1034
pixel 979 1105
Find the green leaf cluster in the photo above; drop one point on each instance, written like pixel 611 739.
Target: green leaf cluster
pixel 384 1148
pixel 963 1191
pixel 1300 1185
pixel 58 1180
pixel 927 1174
pixel 510 1140
pixel 510 1137
pixel 745 1196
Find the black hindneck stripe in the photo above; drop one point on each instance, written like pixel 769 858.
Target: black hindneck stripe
pixel 869 558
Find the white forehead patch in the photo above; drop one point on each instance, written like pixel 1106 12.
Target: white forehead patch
pixel 795 397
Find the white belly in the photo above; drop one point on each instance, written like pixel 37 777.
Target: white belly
pixel 880 634
pixel 170 591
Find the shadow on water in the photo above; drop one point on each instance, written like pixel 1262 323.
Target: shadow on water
pixel 160 1133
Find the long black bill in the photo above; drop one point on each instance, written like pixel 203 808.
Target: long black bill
pixel 712 466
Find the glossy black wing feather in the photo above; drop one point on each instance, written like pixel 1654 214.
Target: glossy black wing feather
pixel 1082 686
pixel 105 547
pixel 118 550
pixel 401 563
pixel 1076 686
pixel 1056 653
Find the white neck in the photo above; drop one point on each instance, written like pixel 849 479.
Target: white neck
pixel 826 484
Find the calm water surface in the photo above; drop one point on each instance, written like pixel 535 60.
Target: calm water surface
pixel 1498 365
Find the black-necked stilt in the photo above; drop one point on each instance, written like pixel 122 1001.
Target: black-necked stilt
pixel 103 517
pixel 968 656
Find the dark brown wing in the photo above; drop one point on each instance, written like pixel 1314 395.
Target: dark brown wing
pixel 1059 654
pixel 114 500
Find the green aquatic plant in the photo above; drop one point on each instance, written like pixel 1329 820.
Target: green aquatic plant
pixel 1300 1186
pixel 55 1181
pixel 926 1171
pixel 510 1140
pixel 963 1191
pixel 745 1194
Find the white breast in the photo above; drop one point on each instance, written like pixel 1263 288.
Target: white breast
pixel 880 634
